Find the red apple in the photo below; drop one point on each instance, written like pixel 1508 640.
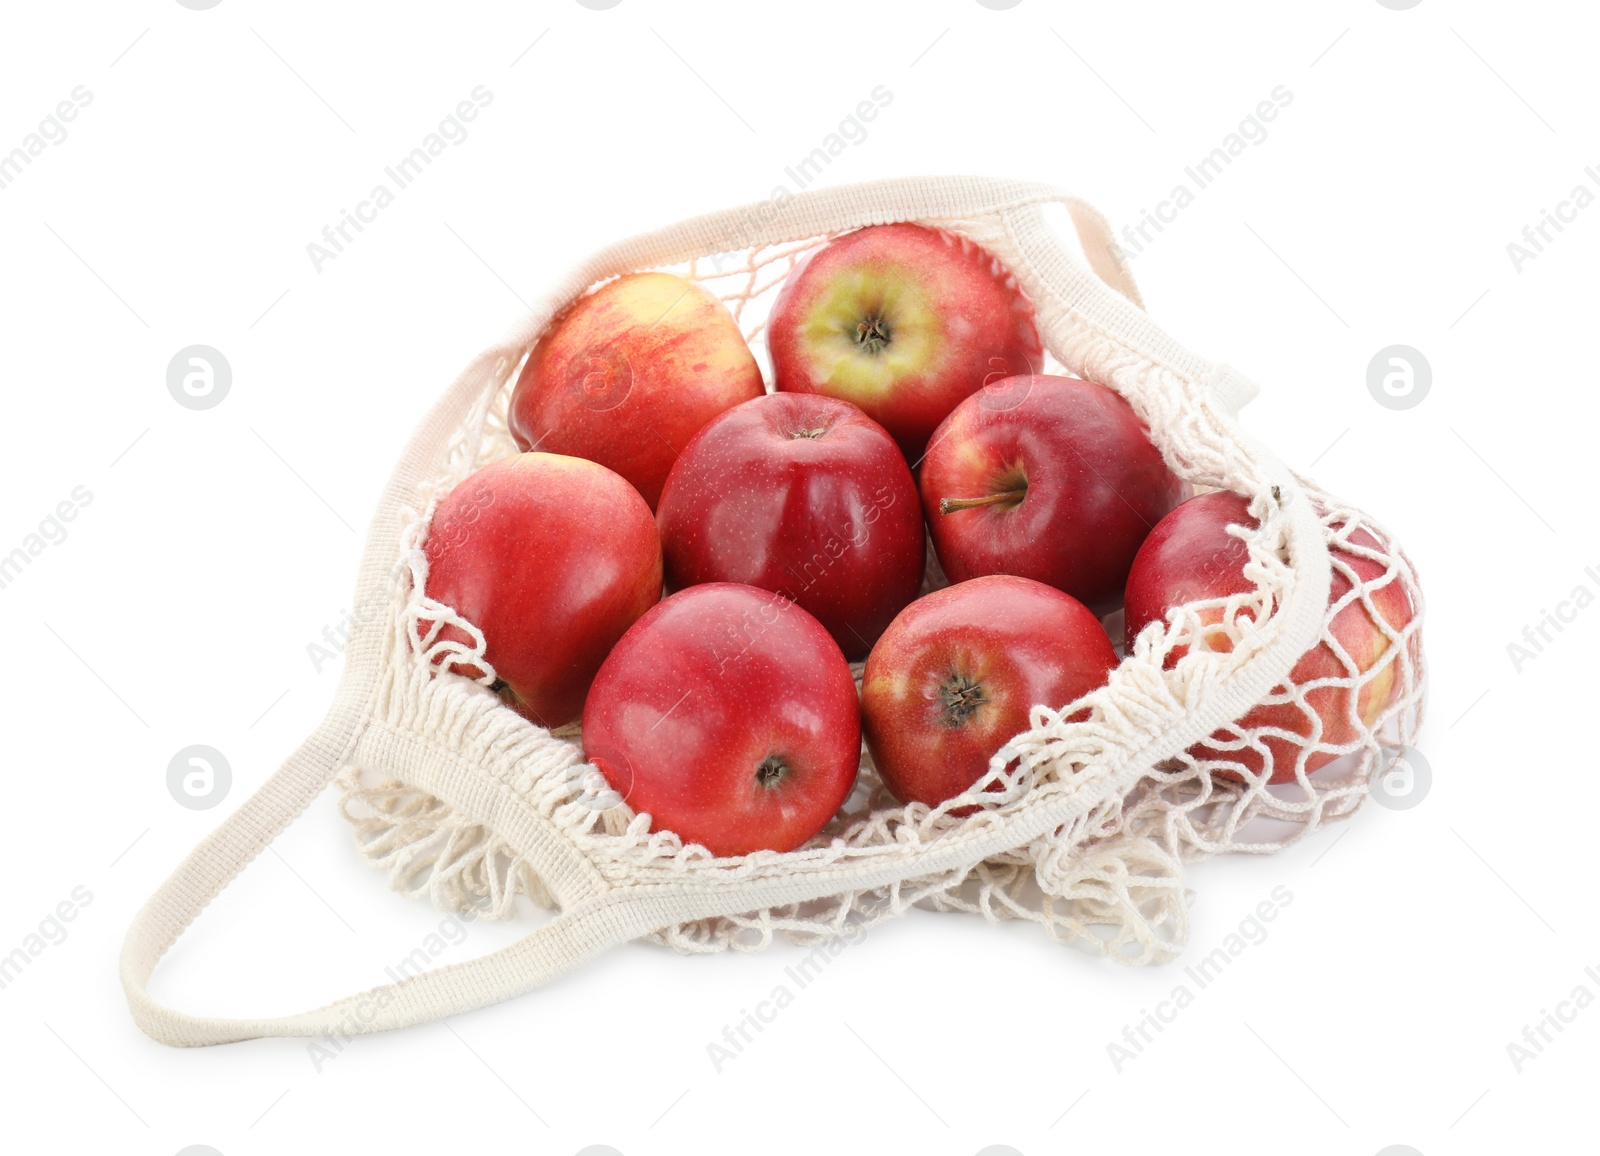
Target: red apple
pixel 1048 478
pixel 805 496
pixel 903 321
pixel 630 373
pixel 1190 557
pixel 953 678
pixel 728 714
pixel 552 558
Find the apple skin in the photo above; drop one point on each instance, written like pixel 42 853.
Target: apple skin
pixel 1019 643
pixel 552 558
pixel 1074 481
pixel 730 715
pixel 903 321
pixel 805 496
pixel 1190 556
pixel 630 373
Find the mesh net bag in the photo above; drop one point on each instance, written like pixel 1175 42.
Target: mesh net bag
pixel 1082 827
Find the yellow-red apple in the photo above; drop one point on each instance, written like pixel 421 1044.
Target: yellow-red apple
pixel 630 373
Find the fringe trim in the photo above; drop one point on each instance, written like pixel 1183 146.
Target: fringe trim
pixel 430 851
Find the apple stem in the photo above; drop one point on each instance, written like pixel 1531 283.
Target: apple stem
pixel 950 505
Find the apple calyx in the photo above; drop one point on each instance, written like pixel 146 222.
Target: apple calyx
pixel 772 770
pixel 872 335
pixel 959 699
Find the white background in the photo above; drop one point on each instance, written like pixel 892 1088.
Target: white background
pixel 218 545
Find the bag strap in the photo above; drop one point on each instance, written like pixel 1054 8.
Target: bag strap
pixel 1100 248
pixel 243 835
pixel 576 934
pixel 571 937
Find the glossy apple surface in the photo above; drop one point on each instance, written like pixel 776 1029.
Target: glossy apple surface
pixel 802 495
pixel 955 675
pixel 1190 557
pixel 552 558
pixel 629 374
pixel 730 715
pixel 1048 478
pixel 903 321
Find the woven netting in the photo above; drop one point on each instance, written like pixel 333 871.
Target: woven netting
pixel 1111 881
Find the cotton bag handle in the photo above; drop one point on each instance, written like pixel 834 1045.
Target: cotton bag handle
pixel 1107 296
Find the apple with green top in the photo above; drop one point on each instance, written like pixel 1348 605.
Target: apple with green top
pixel 904 321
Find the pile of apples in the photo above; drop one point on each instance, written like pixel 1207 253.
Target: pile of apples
pixel 789 530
